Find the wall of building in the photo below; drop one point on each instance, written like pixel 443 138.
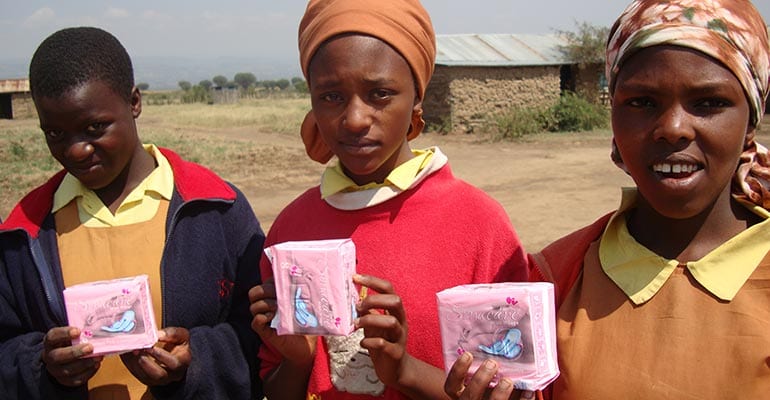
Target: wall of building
pixel 22 106
pixel 587 79
pixel 465 97
pixel 17 106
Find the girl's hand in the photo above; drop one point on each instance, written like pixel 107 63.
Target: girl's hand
pixel 65 362
pixel 478 386
pixel 297 349
pixel 383 319
pixel 164 363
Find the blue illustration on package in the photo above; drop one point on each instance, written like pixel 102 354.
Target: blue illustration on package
pixel 125 324
pixel 304 317
pixel 509 346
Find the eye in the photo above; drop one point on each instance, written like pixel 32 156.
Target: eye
pixel 714 103
pixel 331 97
pixel 640 102
pixel 96 128
pixel 381 94
pixel 53 135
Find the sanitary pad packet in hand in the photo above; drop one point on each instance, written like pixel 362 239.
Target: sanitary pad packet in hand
pixel 513 323
pixel 314 287
pixel 115 316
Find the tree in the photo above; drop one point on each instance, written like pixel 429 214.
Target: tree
pixel 206 84
pixel 142 86
pixel 586 48
pixel 219 80
pixel 586 45
pixel 268 84
pixel 295 80
pixel 245 79
pixel 301 86
pixel 282 83
pixel 185 85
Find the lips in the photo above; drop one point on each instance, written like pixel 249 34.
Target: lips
pixel 360 146
pixel 84 168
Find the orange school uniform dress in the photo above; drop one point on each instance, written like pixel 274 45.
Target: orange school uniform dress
pixel 633 325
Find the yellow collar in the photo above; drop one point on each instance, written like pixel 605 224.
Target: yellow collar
pixel 640 273
pixel 160 181
pixel 334 179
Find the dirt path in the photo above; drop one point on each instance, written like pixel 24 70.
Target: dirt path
pixel 549 186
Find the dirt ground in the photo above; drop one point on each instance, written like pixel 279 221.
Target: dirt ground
pixel 550 185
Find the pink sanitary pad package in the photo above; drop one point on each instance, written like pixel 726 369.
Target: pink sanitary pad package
pixel 314 286
pixel 115 316
pixel 513 323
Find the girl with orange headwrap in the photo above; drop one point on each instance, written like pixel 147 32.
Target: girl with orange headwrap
pixel 417 228
pixel 667 297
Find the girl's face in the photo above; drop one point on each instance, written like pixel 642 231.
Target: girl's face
pixel 363 96
pixel 680 120
pixel 90 130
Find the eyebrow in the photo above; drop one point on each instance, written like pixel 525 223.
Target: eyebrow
pixel 332 83
pixel 641 85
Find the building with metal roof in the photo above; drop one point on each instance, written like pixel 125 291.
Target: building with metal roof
pixel 479 76
pixel 15 99
pixel 499 50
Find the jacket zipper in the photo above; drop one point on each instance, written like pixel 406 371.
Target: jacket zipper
pixel 46 276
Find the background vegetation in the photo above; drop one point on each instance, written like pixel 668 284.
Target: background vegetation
pixel 184 120
pixel 26 163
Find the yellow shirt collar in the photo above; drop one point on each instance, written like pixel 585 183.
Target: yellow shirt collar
pixel 334 179
pixel 160 181
pixel 640 273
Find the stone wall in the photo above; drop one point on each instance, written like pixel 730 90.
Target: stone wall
pixel 22 106
pixel 587 79
pixel 462 99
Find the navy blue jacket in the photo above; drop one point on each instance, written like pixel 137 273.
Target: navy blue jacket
pixel 210 261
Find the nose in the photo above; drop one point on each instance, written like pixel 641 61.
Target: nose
pixel 358 116
pixel 79 150
pixel 675 125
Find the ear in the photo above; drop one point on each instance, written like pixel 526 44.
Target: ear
pixel 417 105
pixel 751 133
pixel 136 102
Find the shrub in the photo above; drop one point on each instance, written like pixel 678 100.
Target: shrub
pixel 442 127
pixel 18 151
pixel 574 114
pixel 198 94
pixel 519 122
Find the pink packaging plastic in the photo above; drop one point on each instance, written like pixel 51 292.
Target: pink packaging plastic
pixel 512 323
pixel 115 316
pixel 314 287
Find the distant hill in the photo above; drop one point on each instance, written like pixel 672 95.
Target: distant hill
pixel 165 72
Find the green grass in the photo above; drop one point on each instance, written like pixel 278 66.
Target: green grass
pixel 26 163
pixel 267 115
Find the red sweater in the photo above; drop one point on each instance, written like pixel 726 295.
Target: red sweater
pixel 442 233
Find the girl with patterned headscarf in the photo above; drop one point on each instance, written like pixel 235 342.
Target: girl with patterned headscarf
pixel 667 297
pixel 416 227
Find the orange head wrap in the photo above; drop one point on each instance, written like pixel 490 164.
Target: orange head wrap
pixel 402 24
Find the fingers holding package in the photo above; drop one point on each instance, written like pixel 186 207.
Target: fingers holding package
pixel 298 349
pixel 263 305
pixel 164 363
pixel 478 386
pixel 383 319
pixel 67 363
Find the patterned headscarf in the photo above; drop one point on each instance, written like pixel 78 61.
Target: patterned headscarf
pixel 402 24
pixel 730 31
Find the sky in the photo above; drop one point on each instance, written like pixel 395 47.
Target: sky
pixel 267 29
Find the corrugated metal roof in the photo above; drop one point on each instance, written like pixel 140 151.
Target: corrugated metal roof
pixel 499 50
pixel 14 85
